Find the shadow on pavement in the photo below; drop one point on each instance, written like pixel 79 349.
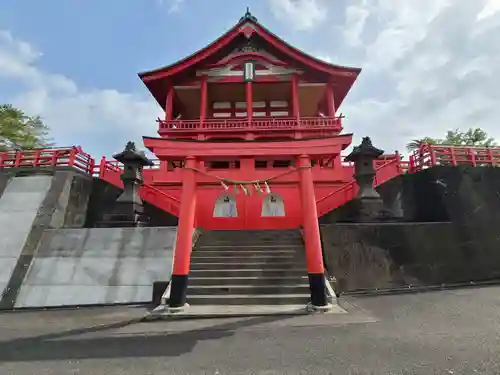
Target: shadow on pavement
pixel 53 346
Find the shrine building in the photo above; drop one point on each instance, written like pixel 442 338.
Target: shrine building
pixel 227 218
pixel 250 138
pixel 246 115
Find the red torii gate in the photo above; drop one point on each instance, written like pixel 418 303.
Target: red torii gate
pixel 194 152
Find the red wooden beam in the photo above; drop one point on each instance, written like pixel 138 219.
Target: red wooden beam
pixel 249 100
pixel 203 101
pixel 169 104
pixel 167 148
pixel 295 97
pixel 243 56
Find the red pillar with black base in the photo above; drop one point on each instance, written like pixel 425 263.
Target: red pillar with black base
pixel 314 256
pixel 184 243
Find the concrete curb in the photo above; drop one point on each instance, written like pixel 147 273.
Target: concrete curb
pixel 151 317
pixel 420 289
pixel 143 305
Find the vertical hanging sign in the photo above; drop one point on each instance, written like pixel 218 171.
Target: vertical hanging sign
pixel 249 71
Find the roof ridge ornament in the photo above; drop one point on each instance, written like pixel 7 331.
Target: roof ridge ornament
pixel 248 16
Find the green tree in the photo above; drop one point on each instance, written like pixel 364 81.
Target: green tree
pixel 471 137
pixel 18 130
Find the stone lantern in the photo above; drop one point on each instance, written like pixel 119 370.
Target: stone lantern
pixel 367 205
pixel 128 209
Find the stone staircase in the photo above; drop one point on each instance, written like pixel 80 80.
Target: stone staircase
pixel 259 267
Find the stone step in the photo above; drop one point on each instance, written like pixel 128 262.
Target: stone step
pixel 252 236
pixel 253 244
pixel 251 233
pixel 246 254
pixel 249 280
pixel 261 267
pixel 249 272
pixel 247 265
pixel 198 258
pixel 233 248
pixel 244 299
pixel 247 289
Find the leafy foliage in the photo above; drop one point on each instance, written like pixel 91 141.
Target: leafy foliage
pixel 18 130
pixel 471 137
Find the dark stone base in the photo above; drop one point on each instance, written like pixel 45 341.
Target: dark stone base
pixel 123 221
pixel 447 232
pixel 367 210
pixel 445 193
pixel 178 291
pixel 394 255
pixel 125 213
pixel 159 288
pixel 361 210
pixel 318 289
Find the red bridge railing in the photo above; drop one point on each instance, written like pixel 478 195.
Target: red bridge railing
pixel 111 170
pixel 387 167
pixel 433 155
pixel 73 157
pixel 76 158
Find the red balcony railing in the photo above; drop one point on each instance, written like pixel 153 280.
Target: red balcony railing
pixel 288 123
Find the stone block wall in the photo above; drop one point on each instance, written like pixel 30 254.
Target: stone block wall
pixel 449 232
pixel 443 193
pixel 22 218
pixel 438 194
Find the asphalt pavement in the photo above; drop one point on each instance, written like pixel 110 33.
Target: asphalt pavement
pixel 445 332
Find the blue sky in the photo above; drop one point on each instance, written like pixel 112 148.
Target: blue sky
pixel 428 65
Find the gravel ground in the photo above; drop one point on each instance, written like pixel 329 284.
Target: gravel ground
pixel 446 332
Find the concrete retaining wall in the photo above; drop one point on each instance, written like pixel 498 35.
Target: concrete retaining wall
pixel 48 259
pixel 97 266
pixel 20 203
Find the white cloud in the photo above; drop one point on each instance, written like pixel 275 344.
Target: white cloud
pixel 428 66
pixel 174 6
pixel 356 16
pixel 300 14
pixel 491 8
pixel 327 59
pixel 406 24
pixel 99 120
